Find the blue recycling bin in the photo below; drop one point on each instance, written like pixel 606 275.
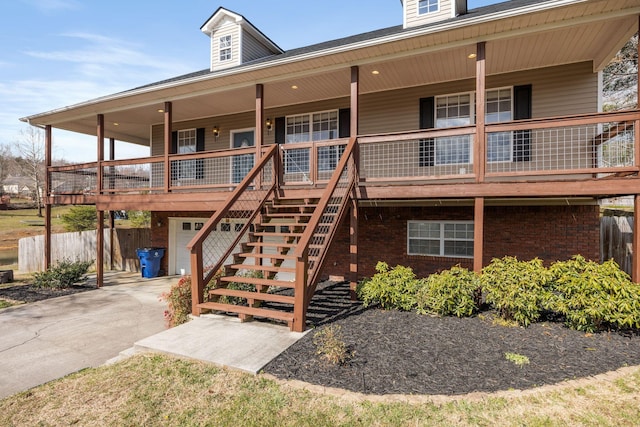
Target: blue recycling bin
pixel 150 261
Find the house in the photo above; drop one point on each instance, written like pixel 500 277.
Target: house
pixel 17 186
pixel 459 136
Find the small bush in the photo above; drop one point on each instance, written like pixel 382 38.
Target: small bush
pixel 63 275
pixel 178 300
pixel 592 296
pixel 330 345
pixel 80 218
pixel 449 293
pixel 393 288
pixel 241 287
pixel 140 219
pixel 519 290
pixel 517 359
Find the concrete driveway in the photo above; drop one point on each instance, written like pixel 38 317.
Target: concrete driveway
pixel 42 341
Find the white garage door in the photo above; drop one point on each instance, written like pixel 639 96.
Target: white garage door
pixel 182 230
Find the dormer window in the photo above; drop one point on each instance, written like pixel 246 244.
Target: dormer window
pixel 225 48
pixel 427 6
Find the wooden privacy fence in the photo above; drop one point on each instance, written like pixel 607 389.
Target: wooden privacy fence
pixel 616 234
pixel 81 246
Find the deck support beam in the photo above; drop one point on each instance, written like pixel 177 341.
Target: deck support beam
pixel 353 249
pixel 100 227
pixel 112 217
pixel 635 263
pixel 479 152
pixel 259 134
pixel 478 234
pixel 168 131
pixel 48 140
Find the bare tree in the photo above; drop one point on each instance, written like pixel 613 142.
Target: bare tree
pixel 31 157
pixel 621 78
pixel 5 163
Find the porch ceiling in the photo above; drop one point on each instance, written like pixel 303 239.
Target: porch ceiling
pixel 587 30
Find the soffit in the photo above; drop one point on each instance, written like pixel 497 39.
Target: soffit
pixel 563 35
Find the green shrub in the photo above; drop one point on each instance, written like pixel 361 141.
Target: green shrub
pixel 592 296
pixel 519 290
pixel 140 219
pixel 393 288
pixel 80 218
pixel 330 344
pixel 62 275
pixel 241 287
pixel 178 300
pixel 449 293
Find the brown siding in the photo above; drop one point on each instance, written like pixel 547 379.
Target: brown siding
pixel 548 232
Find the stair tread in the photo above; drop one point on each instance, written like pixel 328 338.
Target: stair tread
pixel 257 281
pixel 276 256
pixel 252 311
pixel 271 245
pixel 255 267
pixel 279 234
pixel 261 296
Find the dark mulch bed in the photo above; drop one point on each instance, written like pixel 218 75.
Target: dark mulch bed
pixel 406 353
pixel 29 293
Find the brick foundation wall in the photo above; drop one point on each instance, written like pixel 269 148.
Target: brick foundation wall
pixel 547 232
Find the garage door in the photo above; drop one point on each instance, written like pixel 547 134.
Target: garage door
pixel 182 230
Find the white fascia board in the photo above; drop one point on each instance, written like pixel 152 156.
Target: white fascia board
pixel 406 34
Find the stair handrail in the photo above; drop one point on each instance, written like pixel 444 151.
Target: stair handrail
pixel 198 280
pixel 306 279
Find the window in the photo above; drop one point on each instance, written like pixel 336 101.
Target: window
pixel 498 109
pixel 427 6
pixel 440 238
pixel 458 110
pixel 453 110
pixel 311 127
pixel 186 145
pixel 225 48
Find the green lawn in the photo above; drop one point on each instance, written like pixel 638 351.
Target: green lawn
pixel 12 220
pixel 153 390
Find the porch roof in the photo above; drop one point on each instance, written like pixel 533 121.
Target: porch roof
pixel 520 34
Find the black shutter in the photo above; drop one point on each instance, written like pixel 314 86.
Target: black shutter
pixel 199 147
pixel 174 142
pixel 344 123
pixel 426 148
pixel 522 110
pixel 281 130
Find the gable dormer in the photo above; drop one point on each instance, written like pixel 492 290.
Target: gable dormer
pixel 234 40
pixel 420 12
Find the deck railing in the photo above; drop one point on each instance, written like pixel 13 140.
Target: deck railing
pixel 582 146
pixel 314 242
pixel 209 251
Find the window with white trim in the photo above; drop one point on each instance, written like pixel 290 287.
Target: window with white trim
pixel 427 6
pixel 459 110
pixel 225 48
pixel 440 238
pixel 319 126
pixel 499 109
pixel 186 145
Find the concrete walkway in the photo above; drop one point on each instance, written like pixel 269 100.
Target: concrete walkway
pixel 46 340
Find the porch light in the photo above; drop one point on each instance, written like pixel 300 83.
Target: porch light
pixel 116 124
pixel 375 72
pixel 472 56
pixel 294 87
pixel 269 125
pixel 160 110
pixel 216 131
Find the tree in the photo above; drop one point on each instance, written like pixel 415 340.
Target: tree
pixel 80 218
pixel 31 151
pixel 621 78
pixel 5 163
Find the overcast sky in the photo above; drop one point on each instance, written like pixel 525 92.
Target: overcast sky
pixel 54 53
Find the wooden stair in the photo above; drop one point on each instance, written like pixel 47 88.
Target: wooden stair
pixel 263 270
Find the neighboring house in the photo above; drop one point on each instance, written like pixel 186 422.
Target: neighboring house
pixel 460 136
pixel 17 185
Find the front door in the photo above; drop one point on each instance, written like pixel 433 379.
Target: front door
pixel 243 163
